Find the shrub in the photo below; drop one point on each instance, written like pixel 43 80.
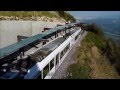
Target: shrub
pixel 76 71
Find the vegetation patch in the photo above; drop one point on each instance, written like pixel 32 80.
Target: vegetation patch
pixel 94 56
pixel 27 14
pixel 77 71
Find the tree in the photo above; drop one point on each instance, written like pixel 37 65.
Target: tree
pixel 66 16
pixel 94 28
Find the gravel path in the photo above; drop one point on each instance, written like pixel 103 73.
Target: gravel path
pixel 70 59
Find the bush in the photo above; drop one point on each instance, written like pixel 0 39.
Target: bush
pixel 76 71
pixel 95 40
pixel 113 53
pixel 66 16
pixel 95 29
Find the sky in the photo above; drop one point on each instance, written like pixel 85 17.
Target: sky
pixel 92 14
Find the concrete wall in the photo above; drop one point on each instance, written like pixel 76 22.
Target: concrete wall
pixel 10 29
pixel 37 27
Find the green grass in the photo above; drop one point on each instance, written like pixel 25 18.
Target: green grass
pixel 27 13
pixel 77 71
pixel 66 16
pixel 57 14
pixel 51 14
pixel 93 57
pixel 95 40
pixel 91 63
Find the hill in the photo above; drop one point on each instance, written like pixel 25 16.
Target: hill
pixel 96 58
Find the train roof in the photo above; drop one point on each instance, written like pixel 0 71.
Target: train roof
pixel 47 49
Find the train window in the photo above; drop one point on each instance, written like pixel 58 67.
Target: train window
pixel 64 51
pixel 57 59
pixel 68 46
pixel 76 37
pixel 45 71
pixel 61 55
pixel 51 64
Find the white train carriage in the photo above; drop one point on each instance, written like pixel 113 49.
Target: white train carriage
pixel 52 55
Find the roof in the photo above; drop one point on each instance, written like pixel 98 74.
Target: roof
pixel 47 49
pixel 16 46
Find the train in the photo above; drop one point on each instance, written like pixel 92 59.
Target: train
pixel 42 62
pixel 46 68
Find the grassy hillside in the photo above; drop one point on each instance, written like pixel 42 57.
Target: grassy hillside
pixel 27 13
pixel 66 16
pixel 51 14
pixel 93 57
